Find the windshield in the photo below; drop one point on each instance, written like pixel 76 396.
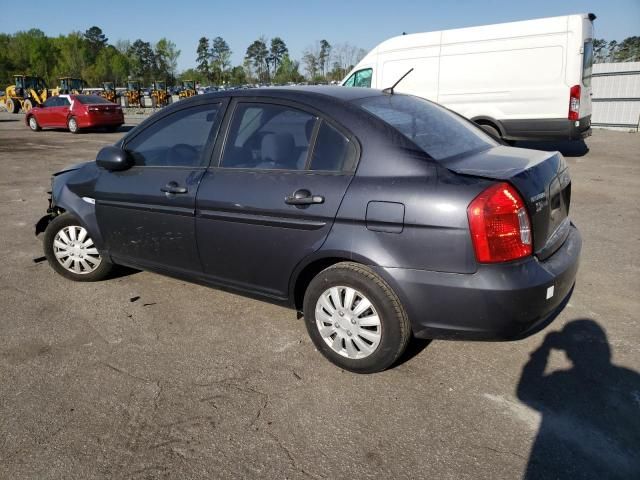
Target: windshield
pixel 361 78
pixel 91 99
pixel 437 131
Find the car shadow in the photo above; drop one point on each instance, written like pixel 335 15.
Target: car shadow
pixel 120 271
pixel 590 426
pixel 576 148
pixel 9 119
pixel 415 346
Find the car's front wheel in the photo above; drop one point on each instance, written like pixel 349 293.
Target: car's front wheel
pixel 33 124
pixel 71 251
pixel 355 319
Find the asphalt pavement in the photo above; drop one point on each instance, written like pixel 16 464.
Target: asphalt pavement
pixel 144 376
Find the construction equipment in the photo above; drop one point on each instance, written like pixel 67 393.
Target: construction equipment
pixel 69 85
pixel 133 96
pixel 188 89
pixel 108 91
pixel 27 92
pixel 159 94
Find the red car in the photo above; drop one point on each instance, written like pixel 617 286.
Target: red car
pixel 75 112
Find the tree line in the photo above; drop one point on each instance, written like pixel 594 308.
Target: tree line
pixel 611 51
pixel 89 55
pixel 268 61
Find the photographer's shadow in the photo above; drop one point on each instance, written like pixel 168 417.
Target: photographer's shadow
pixel 590 425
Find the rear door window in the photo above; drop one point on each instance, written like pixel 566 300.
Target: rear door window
pixel 332 151
pixel 268 137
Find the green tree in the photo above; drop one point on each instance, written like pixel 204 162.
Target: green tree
pixel 323 56
pixel 288 71
pixel 257 54
pixel 72 55
pixel 238 76
pixel 311 63
pixel 96 41
pixel 220 59
pixel 202 60
pixel 628 50
pixel 166 55
pixel 192 74
pixel 143 61
pixel 599 50
pixel 277 52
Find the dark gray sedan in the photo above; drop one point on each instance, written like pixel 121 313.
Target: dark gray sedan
pixel 375 215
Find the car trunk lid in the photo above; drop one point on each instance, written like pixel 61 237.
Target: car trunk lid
pixel 541 178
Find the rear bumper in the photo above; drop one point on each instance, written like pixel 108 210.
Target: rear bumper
pixel 498 302
pixel 89 121
pixel 547 129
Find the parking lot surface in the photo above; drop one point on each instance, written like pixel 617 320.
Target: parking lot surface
pixel 144 376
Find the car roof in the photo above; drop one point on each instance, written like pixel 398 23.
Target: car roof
pixel 345 94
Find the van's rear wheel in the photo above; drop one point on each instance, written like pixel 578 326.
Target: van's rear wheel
pixel 491 130
pixel 355 319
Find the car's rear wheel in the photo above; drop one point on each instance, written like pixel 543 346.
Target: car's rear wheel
pixel 33 124
pixel 71 251
pixel 355 319
pixel 72 124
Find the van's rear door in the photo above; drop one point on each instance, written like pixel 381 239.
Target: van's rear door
pixel 587 63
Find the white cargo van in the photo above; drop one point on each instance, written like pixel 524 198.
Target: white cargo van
pixel 518 80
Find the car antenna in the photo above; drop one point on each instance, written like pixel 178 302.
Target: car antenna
pixel 389 90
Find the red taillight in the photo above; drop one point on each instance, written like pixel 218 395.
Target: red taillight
pixel 574 103
pixel 499 224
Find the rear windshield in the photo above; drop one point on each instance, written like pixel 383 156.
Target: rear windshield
pixel 437 131
pixel 91 99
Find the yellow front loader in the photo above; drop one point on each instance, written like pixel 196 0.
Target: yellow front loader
pixel 109 92
pixel 159 94
pixel 26 93
pixel 188 89
pixel 69 85
pixel 133 96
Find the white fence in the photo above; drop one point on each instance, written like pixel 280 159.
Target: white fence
pixel 616 95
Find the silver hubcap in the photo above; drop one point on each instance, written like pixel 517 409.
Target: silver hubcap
pixel 348 322
pixel 73 125
pixel 75 251
pixel 32 123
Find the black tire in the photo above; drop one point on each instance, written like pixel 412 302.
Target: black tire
pixel 491 130
pixel 58 224
pixel 395 326
pixel 12 106
pixel 33 123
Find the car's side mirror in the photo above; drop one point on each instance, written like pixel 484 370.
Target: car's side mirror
pixel 113 159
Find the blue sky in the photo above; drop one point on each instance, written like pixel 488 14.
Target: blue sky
pixel 301 23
